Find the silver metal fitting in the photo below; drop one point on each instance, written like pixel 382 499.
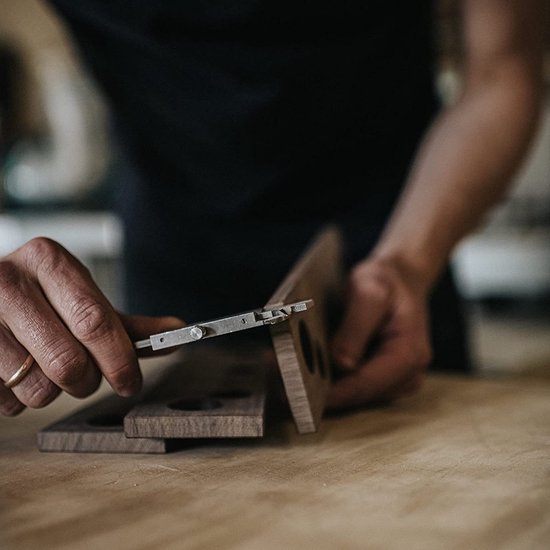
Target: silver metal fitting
pixel 197 332
pixel 224 325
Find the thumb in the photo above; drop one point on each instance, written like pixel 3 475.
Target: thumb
pixel 139 327
pixel 366 309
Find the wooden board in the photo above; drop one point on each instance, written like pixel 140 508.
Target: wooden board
pixel 97 428
pixel 212 393
pixel 201 394
pixel 301 345
pixel 462 465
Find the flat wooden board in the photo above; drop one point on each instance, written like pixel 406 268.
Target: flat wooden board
pixel 302 344
pixel 202 393
pixel 211 393
pixel 97 428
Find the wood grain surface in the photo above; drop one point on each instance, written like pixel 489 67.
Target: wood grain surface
pixel 203 392
pixel 97 428
pixel 301 344
pixel 464 464
pixel 210 393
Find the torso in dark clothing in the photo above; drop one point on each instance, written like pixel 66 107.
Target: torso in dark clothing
pixel 248 125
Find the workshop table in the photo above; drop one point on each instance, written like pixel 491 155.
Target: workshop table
pixel 463 464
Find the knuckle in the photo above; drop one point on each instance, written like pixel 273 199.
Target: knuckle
pixel 368 271
pixel 41 393
pixel 10 276
pixel 47 256
pixel 42 252
pixel 374 290
pixel 69 367
pixel 368 285
pixel 91 321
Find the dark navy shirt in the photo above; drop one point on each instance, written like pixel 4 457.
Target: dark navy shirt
pixel 248 125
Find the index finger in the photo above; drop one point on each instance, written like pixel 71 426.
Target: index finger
pixel 86 312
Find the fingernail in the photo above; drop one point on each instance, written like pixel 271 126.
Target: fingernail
pixel 130 388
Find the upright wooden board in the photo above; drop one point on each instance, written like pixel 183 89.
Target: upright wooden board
pixel 211 394
pixel 97 428
pixel 301 345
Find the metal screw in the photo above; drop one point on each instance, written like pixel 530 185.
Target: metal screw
pixel 197 332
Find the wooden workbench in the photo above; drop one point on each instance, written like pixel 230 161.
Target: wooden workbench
pixel 464 464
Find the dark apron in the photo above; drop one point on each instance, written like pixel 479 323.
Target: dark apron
pixel 247 126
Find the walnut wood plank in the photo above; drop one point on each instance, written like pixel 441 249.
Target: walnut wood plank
pixel 210 394
pixel 97 428
pixel 301 345
pixel 206 393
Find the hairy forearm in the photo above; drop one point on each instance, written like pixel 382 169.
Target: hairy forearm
pixel 462 168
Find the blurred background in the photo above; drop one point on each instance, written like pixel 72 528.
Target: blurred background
pixel 58 173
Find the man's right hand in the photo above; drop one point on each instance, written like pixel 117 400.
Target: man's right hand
pixel 51 308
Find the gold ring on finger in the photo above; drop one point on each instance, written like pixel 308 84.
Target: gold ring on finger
pixel 20 373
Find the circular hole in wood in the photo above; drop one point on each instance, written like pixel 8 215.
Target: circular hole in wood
pixel 205 404
pixel 307 348
pixel 106 420
pixel 321 363
pixel 232 394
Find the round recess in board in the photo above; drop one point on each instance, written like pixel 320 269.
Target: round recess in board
pixel 106 421
pixel 204 404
